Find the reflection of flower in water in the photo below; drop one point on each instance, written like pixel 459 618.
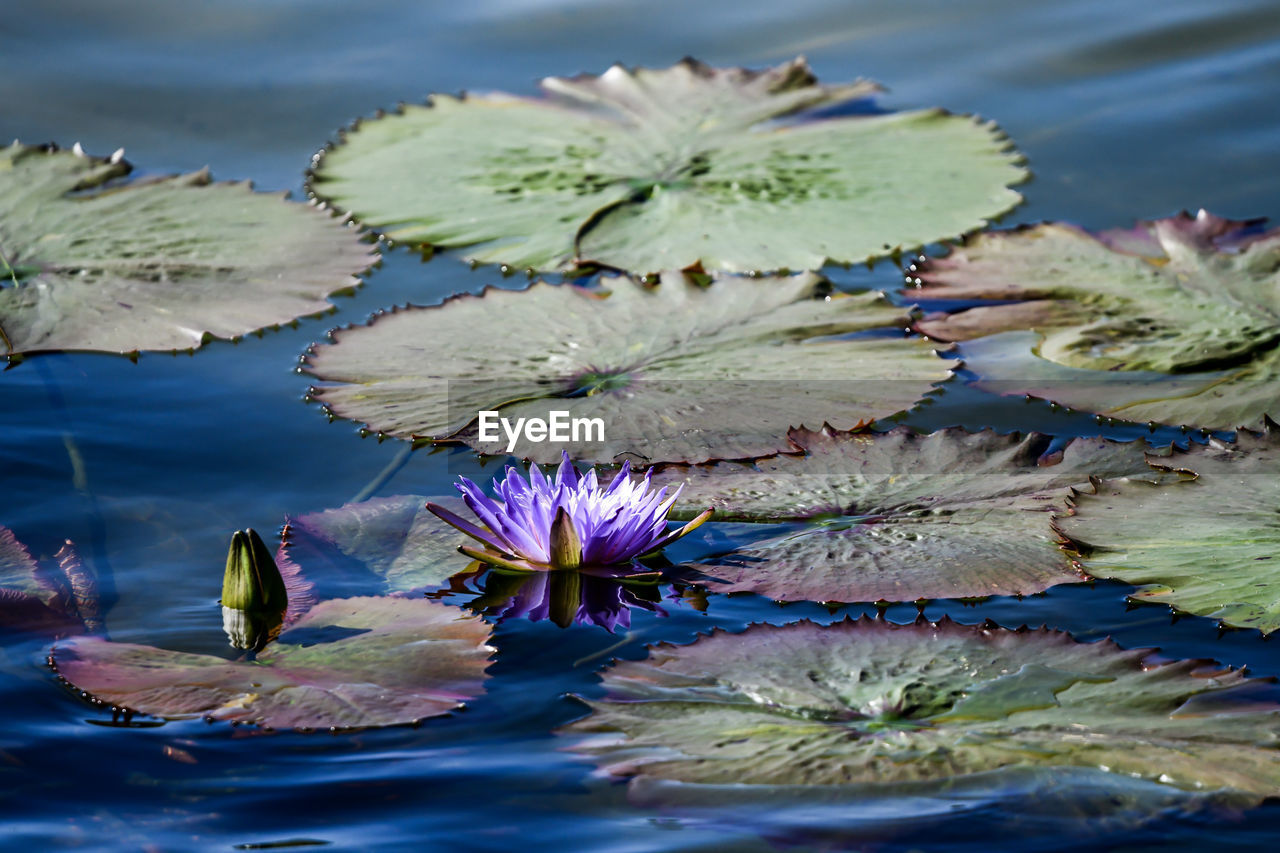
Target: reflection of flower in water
pixel 566 523
pixel 566 598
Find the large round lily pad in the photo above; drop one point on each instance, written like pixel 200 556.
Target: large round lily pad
pixel 900 516
pixel 1198 297
pixel 90 263
pixel 394 538
pixel 1208 546
pixel 873 703
pixel 675 372
pixel 348 662
pixel 652 169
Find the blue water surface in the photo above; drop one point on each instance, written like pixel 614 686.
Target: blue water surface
pixel 1125 109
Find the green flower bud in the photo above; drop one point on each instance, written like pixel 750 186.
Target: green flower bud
pixel 252 582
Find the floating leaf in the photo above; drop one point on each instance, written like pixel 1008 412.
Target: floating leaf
pixel 89 263
pixel 873 703
pixel 899 516
pixel 347 663
pixel 58 600
pixel 647 169
pixel 1194 296
pixel 676 372
pixel 1208 546
pixel 394 538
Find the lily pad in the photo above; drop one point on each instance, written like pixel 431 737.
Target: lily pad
pixel 674 372
pixel 394 538
pixel 1208 546
pixel 88 262
pixel 874 703
pixel 1198 297
pixel 59 599
pixel 652 169
pixel 346 663
pixel 900 516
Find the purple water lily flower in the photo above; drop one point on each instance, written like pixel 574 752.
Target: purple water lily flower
pixel 566 523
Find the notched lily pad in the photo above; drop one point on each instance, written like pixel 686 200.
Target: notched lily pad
pixel 347 663
pixel 900 516
pixel 1208 546
pixel 676 372
pixel 1196 297
pixel 874 704
pixel 89 262
pixel 394 538
pixel 651 169
pixel 58 599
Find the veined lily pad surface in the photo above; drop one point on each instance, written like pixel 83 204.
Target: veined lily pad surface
pixel 58 599
pixel 900 516
pixel 347 663
pixel 677 372
pixel 394 538
pixel 874 703
pixel 1198 297
pixel 90 263
pixel 652 169
pixel 1208 546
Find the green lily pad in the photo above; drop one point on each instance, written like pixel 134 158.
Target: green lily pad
pixel 899 516
pixel 676 372
pixel 90 263
pixel 1197 297
pixel 653 169
pixel 347 663
pixel 877 704
pixel 394 538
pixel 57 599
pixel 1208 546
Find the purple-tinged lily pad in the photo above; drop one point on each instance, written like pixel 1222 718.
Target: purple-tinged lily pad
pixel 652 169
pixel 680 372
pixel 347 663
pixel 395 538
pixel 60 599
pixel 1208 546
pixel 874 704
pixel 1116 311
pixel 89 263
pixel 900 516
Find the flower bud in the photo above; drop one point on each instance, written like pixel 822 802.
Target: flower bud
pixel 252 581
pixel 565 547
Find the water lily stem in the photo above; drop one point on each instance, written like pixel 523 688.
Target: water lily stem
pixel 384 476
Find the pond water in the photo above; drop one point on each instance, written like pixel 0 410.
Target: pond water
pixel 1124 108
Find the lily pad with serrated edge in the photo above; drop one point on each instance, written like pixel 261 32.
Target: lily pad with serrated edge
pixel 1209 546
pixel 870 703
pixel 57 599
pixel 395 538
pixel 652 169
pixel 346 663
pixel 900 516
pixel 1195 297
pixel 675 372
pixel 88 262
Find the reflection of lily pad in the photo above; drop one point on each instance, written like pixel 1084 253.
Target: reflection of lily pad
pixel 873 703
pixel 649 169
pixel 677 372
pixel 1209 546
pixel 899 516
pixel 1194 296
pixel 59 599
pixel 394 538
pixel 89 264
pixel 347 663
